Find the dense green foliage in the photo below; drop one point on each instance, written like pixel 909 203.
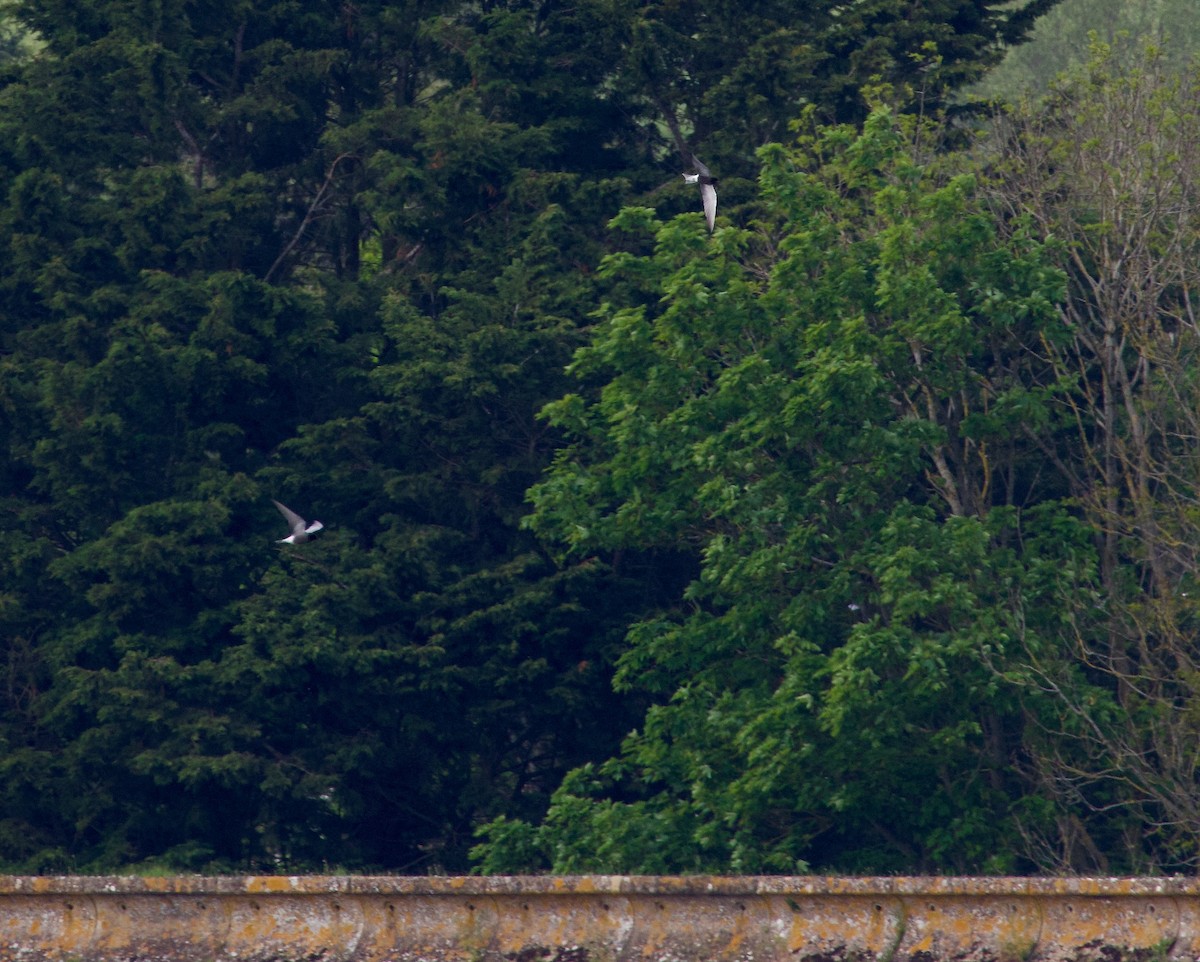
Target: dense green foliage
pixel 806 543
pixel 939 473
pixel 825 431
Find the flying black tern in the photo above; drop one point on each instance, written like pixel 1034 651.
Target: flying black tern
pixel 708 192
pixel 301 529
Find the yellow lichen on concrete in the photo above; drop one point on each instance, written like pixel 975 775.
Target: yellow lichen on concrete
pixel 595 919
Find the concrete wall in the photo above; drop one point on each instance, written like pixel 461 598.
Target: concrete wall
pixel 597 919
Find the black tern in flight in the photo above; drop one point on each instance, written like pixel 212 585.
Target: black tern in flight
pixel 301 529
pixel 708 192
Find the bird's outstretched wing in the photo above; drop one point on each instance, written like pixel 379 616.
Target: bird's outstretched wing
pixel 295 522
pixel 708 194
pixel 708 191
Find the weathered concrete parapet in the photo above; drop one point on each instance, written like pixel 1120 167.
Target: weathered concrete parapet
pixel 596 919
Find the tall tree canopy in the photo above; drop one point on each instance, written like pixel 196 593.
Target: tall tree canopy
pixel 931 430
pixel 341 256
pixel 828 410
pixel 1109 165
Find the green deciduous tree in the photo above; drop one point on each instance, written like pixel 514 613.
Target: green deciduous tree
pixel 826 411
